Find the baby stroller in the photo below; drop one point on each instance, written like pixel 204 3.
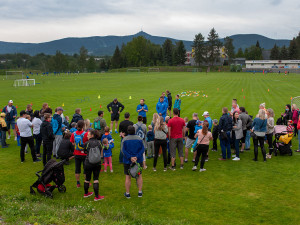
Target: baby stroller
pixel 282 141
pixel 53 171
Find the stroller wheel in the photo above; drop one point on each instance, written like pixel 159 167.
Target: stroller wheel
pixel 48 194
pixel 62 189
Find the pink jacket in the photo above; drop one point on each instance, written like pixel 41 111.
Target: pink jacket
pixel 295 116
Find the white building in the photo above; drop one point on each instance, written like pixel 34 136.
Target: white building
pixel 272 64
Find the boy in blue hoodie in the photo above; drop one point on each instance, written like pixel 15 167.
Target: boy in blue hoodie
pixel 161 107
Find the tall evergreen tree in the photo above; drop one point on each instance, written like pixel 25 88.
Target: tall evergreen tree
pixel 284 54
pixel 116 60
pixel 246 53
pixel 240 53
pixel 229 48
pixel 83 54
pixel 293 49
pixel 168 52
pixel 91 64
pixel 180 53
pixel 213 47
pixel 275 53
pixel 200 49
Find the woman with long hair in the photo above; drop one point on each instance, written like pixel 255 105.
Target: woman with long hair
pixel 295 118
pixel 204 137
pixel 238 130
pixel 270 131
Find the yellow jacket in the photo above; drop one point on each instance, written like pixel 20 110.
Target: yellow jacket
pixel 2 122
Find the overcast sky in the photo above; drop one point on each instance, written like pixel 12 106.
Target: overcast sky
pixel 40 20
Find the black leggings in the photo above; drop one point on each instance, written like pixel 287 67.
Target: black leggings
pixel 47 151
pixel 295 130
pixel 201 150
pixel 157 144
pixel 89 169
pixel 270 143
pixel 261 141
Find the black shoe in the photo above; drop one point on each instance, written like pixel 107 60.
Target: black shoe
pixel 254 160
pixel 247 149
pixel 37 160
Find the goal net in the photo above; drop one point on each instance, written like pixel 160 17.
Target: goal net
pixel 13 75
pixel 133 70
pixel 153 70
pixel 193 70
pixel 296 100
pixel 24 83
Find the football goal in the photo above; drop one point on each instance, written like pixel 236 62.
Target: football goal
pixel 153 70
pixel 133 70
pixel 13 75
pixel 24 83
pixel 193 70
pixel 296 100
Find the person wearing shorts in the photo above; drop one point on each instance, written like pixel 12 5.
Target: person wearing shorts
pixel 133 150
pixel 79 154
pixel 176 127
pixel 115 108
pixel 10 115
pixel 190 128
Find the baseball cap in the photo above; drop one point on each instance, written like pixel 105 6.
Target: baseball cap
pixel 10 101
pixel 290 121
pixel 205 113
pixel 59 109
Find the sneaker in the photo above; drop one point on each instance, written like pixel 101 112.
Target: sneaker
pixel 268 156
pixel 236 159
pixel 202 170
pixel 16 139
pixel 78 185
pixel 206 160
pixel 194 168
pixel 22 161
pixel 37 160
pixel 127 195
pixel 88 194
pixel 8 137
pixel 181 167
pixel 105 171
pixel 116 132
pixel 221 159
pixel 154 169
pixel 110 132
pixel 165 169
pixel 247 149
pixel 185 161
pixel 98 198
pixel 172 168
pixel 140 194
pixel 111 171
pixel 193 160
pixel 255 160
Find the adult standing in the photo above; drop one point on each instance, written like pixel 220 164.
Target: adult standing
pixel 246 124
pixel 259 127
pixel 29 111
pixel 36 123
pixel 142 110
pixel 141 131
pixel 234 106
pixel 163 94
pixel 48 137
pixel 133 150
pixel 42 111
pixel 10 115
pixel 77 116
pixel 123 130
pixel 225 127
pixel 154 119
pixel 238 130
pixel 25 126
pixel 115 108
pixel 190 128
pixel 57 129
pixel 295 118
pixel 160 141
pixel 176 127
pixel 208 119
pixel 161 107
pixel 287 115
pixel 177 104
pixel 270 130
pixel 100 123
pixel 169 96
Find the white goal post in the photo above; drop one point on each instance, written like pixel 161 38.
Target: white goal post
pixel 150 70
pixel 24 83
pixel 133 70
pixel 12 75
pixel 194 70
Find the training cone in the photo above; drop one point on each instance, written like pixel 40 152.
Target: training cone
pixel 100 106
pixel 16 106
pixel 63 105
pixel 291 98
pixel 98 96
pixel 31 103
pixel 242 90
pixel 244 96
pixel 268 90
pixel 90 109
pixel 130 97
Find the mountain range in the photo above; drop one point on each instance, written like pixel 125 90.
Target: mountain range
pixel 105 45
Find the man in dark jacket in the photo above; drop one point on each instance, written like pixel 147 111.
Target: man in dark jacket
pixel 11 114
pixel 169 96
pixel 115 108
pixel 77 116
pixel 48 138
pixel 225 127
pixel 100 123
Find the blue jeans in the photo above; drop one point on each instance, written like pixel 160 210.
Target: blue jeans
pixel 225 144
pixel 237 147
pixel 3 138
pixel 247 140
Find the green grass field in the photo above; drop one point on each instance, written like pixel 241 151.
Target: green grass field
pixel 241 192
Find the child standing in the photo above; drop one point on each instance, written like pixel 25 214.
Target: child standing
pixel 73 128
pixel 215 135
pixel 150 142
pixel 66 148
pixel 3 128
pixel 107 135
pixel 18 133
pixel 107 153
pixel 290 127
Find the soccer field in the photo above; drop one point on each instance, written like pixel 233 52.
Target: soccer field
pixel 229 192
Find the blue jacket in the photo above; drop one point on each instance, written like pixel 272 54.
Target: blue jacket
pixel 162 108
pixel 259 125
pixel 109 137
pixel 165 101
pixel 177 104
pixel 142 113
pixel 107 151
pixel 132 146
pixel 225 123
pixel 57 124
pixel 12 113
pixel 150 136
pixel 209 120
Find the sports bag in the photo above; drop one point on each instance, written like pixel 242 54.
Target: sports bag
pixel 97 125
pixel 139 132
pixel 94 155
pixel 79 141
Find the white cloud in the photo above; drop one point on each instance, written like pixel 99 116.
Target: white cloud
pixel 39 21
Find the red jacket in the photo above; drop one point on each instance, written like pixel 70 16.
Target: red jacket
pixel 295 116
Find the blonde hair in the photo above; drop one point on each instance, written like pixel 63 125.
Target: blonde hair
pixel 294 106
pixel 150 127
pixel 155 117
pixel 271 112
pixel 159 123
pixel 87 124
pixel 261 114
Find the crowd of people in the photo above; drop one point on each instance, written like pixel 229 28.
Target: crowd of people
pixel 166 134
